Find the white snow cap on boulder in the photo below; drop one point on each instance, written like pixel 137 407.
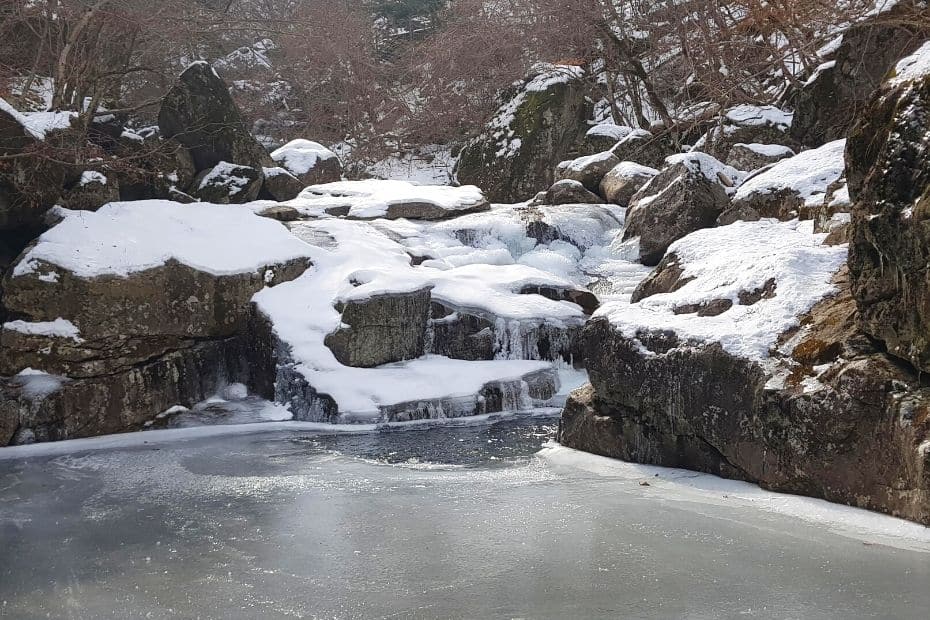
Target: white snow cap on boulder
pixel 754 115
pixel 912 67
pixel 375 198
pixel 126 237
pixel 301 156
pixel 809 174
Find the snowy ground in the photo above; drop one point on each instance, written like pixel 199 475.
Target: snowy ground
pixel 462 521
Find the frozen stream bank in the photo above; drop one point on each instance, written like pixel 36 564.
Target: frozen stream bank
pixel 448 522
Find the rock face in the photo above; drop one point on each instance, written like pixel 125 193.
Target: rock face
pixel 135 341
pixel 532 132
pixel 199 112
pixel 689 194
pixel 858 438
pixel 889 182
pixel 827 105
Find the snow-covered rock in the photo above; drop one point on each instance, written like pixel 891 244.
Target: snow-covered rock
pixel 567 192
pixel 373 198
pixel 587 170
pixel 689 194
pixel 750 157
pixel 792 184
pixel 622 182
pixel 309 161
pixel 227 183
pixel 530 133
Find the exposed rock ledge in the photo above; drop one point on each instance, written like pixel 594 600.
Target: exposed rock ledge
pixel 857 433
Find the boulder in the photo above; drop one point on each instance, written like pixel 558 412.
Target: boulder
pixel 746 124
pixel 311 162
pixel 540 123
pixel 587 170
pixel 889 184
pixel 644 148
pixel 622 182
pixel 737 362
pixel 381 329
pixel 280 185
pixel 826 106
pixel 688 195
pixel 753 156
pixel 227 183
pixel 569 191
pixel 160 169
pixel 791 186
pixel 121 319
pixel 199 112
pixel 603 137
pixel 92 190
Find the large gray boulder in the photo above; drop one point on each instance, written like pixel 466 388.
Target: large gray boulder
pixel 622 182
pixel 199 112
pixel 688 195
pixel 570 192
pixel 587 170
pixel 540 123
pixel 382 329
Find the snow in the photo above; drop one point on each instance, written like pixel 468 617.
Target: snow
pixel 40 124
pixel 768 150
pixel 826 66
pixel 372 198
pixel 582 163
pixel 610 130
pixel 361 262
pixel 913 67
pixel 632 169
pixel 726 261
pixel 432 164
pixel 680 485
pixel 713 169
pixel 59 328
pixel 126 237
pixel 301 156
pixel 224 174
pixel 19 118
pixel 809 174
pixel 754 116
pixel 92 176
pixel 549 75
pixel 36 384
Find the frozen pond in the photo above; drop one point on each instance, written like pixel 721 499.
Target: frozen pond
pixel 449 522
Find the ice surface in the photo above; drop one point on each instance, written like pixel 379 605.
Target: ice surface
pixel 318 523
